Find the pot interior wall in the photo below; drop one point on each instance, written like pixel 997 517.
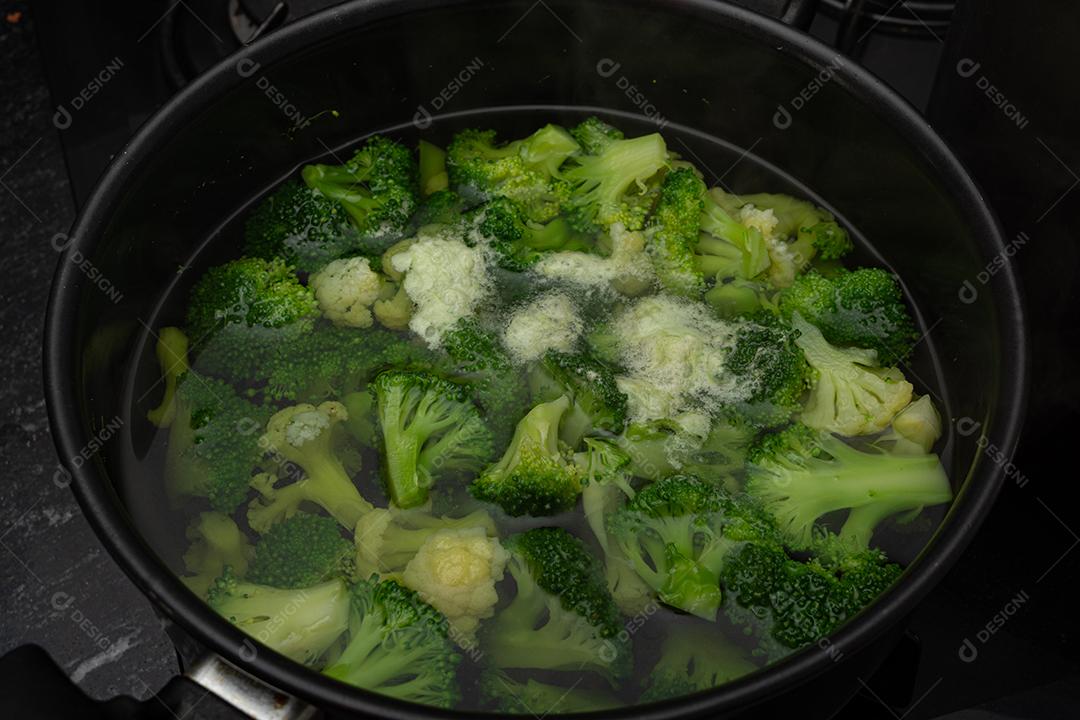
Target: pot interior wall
pixel 440 69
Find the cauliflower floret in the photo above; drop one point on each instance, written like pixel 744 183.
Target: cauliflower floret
pixel 345 290
pixel 446 280
pixel 455 571
pixel 551 322
pixel 627 270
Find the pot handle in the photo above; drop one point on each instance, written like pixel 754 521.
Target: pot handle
pixel 33 685
pixel 797 13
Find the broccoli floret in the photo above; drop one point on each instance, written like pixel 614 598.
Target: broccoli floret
pixel 398 646
pixel 536 475
pixel 213 442
pixel 766 354
pixel 674 229
pixel 597 402
pixel 607 488
pixel 788 604
pixel 663 447
pixel 300 624
pixel 518 243
pixel 216 542
pixel 300 226
pixel 525 171
pixel 694 658
pixel 609 188
pixel 387 539
pixel 801 474
pixel 504 694
pixel 301 551
pixel 849 395
pixel 727 248
pixel 497 384
pixel 677 533
pixel 443 207
pixel 594 135
pixel 558 584
pixel 863 308
pixel 248 294
pixel 172 356
pixel 738 298
pixel 378 187
pixel 301 437
pixel 432 167
pixel 429 427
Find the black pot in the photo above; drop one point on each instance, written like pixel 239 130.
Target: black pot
pixel 792 116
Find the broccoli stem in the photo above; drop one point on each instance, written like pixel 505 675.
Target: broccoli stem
pixel 433 177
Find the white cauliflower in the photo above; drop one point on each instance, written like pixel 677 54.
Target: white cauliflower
pixel 345 290
pixel 446 280
pixel 551 322
pixel 455 571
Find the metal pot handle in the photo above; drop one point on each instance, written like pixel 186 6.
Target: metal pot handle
pixel 797 13
pixel 33 685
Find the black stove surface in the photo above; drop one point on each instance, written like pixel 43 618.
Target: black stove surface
pixel 998 638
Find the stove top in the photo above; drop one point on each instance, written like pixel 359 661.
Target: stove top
pixel 999 634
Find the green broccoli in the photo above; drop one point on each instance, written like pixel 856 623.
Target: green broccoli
pixel 663 447
pixel 301 551
pixel 727 248
pixel 607 488
pixel 248 295
pixel 787 604
pixel 677 533
pixel 432 169
pixel 863 308
pixel 738 298
pixel 674 229
pixel 504 694
pixel 430 427
pixel 525 171
pixel 302 437
pixel 559 585
pixel 398 646
pixel 497 384
pixel 213 444
pixel 171 351
pixel 694 658
pixel 597 402
pixel 801 474
pixel 216 542
pixel 518 242
pixel 766 356
pixel 594 135
pixel 609 188
pixel 443 207
pixel 536 475
pixel 387 539
pixel 849 395
pixel 300 624
pixel 378 187
pixel 300 226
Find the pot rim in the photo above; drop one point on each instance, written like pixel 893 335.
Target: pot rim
pixel 105 511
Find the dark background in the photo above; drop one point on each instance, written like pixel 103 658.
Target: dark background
pixel 60 590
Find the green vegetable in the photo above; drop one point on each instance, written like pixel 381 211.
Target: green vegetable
pixel 429 428
pixel 694 658
pixel 863 308
pixel 727 248
pixel 301 437
pixel 766 355
pixel 536 475
pixel 504 694
pixel 597 402
pixel 559 588
pixel 594 135
pixel 398 646
pixel 607 188
pixel 525 171
pixel 386 540
pixel 674 229
pixel 518 242
pixel 300 226
pixel 300 624
pixel 432 166
pixel 216 543
pixel 801 474
pixel 301 551
pixel 378 187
